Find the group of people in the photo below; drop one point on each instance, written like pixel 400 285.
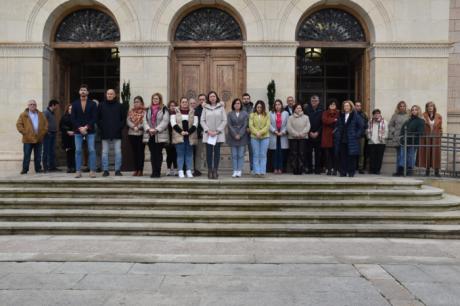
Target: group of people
pixel 299 138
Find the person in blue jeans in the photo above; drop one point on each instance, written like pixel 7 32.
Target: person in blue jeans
pixel 259 125
pixel 111 123
pixel 32 125
pixel 49 142
pixel 237 139
pixel 278 135
pixel 413 129
pixel 84 117
pixel 184 124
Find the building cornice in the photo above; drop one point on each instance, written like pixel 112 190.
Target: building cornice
pixel 144 48
pixel 25 50
pixel 270 48
pixel 410 50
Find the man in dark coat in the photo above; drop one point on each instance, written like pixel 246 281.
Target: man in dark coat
pixel 363 142
pixel 290 105
pixel 84 117
pixel 110 123
pixel 49 142
pixel 248 107
pixel 313 145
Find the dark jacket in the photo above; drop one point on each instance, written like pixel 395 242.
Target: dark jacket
pixel 110 120
pixel 52 124
pixel 248 108
pixel 349 133
pixel 366 122
pixel 82 118
pixel 198 111
pixel 237 126
pixel 65 125
pixel 415 128
pixel 315 117
pixel 288 110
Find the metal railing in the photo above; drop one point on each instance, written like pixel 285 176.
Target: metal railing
pixel 437 152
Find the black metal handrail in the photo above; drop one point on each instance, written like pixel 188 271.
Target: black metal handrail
pixel 440 151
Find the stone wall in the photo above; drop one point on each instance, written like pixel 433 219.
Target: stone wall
pixel 409 45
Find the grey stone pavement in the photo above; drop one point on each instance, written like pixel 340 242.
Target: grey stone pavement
pixel 123 270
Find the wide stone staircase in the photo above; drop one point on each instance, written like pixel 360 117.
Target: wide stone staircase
pixel 285 205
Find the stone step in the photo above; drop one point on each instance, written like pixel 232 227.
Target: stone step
pixel 426 193
pixel 233 229
pixel 358 217
pixel 313 182
pixel 447 202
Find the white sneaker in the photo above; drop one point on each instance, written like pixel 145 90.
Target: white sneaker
pixel 239 173
pixel 181 174
pixel 189 173
pixel 235 174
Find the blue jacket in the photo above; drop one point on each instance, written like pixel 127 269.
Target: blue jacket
pixel 86 118
pixel 352 130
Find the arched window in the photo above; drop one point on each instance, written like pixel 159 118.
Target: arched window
pixel 331 25
pixel 87 25
pixel 207 24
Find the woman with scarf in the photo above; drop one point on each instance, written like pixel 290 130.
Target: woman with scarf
pixel 156 123
pixel 135 122
pixel 377 132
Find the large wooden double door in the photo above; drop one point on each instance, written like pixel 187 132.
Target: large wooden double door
pixel 200 70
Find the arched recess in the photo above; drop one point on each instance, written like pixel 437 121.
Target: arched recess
pixel 372 13
pixel 169 13
pixel 332 60
pixel 208 53
pixel 46 14
pixel 83 41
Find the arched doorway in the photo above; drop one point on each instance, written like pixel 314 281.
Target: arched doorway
pixel 85 52
pixel 332 58
pixel 208 55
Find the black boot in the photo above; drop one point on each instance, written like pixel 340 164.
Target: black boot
pixel 436 173
pixel 215 175
pixel 399 172
pixel 427 172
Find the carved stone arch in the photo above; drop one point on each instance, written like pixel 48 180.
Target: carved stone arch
pixel 331 24
pixel 46 14
pixel 372 15
pixel 169 14
pixel 87 25
pixel 207 24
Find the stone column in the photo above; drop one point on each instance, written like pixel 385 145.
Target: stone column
pixel 413 72
pixel 453 109
pixel 268 61
pixel 146 65
pixel 25 76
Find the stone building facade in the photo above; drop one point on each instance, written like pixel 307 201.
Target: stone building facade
pixel 376 51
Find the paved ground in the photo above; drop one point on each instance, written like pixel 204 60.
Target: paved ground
pixel 114 270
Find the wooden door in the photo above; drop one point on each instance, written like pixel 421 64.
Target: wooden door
pixel 196 71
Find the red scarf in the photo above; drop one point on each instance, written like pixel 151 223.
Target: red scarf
pixel 155 109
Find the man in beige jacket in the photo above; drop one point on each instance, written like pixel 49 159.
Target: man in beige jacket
pixel 33 126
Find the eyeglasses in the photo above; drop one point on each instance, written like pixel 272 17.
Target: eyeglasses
pixel 32 104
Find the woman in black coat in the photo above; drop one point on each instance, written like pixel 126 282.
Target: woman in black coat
pixel 68 142
pixel 350 127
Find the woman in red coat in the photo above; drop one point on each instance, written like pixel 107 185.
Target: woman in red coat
pixel 430 144
pixel 329 120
